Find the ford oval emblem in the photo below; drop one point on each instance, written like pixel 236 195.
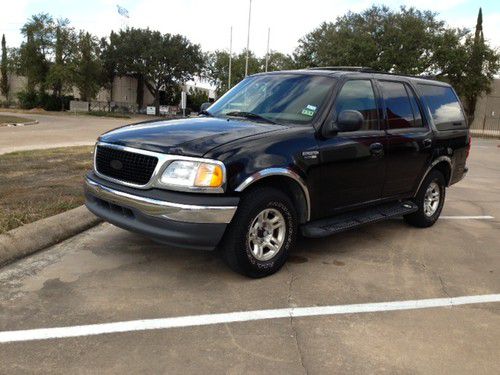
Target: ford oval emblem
pixel 116 164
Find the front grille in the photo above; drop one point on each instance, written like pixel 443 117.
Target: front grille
pixel 124 165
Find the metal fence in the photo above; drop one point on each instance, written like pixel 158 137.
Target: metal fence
pixel 486 127
pixel 487 121
pixel 118 107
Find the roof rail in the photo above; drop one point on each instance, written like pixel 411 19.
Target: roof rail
pixel 364 69
pixel 346 68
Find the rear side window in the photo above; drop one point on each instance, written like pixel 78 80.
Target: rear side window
pixel 400 105
pixel 444 106
pixel 359 95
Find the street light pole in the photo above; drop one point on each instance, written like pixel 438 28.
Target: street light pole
pixel 230 57
pixel 248 37
pixel 267 53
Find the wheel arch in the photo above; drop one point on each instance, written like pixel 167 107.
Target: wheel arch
pixel 286 180
pixel 442 164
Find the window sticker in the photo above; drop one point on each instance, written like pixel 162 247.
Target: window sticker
pixel 309 110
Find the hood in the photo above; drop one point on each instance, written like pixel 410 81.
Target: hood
pixel 190 136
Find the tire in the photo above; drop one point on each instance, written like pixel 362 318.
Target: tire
pixel 246 235
pixel 427 213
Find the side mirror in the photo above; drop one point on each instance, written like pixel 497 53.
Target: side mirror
pixel 349 121
pixel 204 106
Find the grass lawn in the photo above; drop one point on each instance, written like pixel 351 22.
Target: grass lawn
pixel 41 183
pixel 7 119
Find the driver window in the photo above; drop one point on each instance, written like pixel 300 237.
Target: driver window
pixel 358 95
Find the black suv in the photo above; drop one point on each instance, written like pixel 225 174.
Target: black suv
pixel 314 151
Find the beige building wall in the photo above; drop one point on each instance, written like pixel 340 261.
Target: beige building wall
pixel 124 90
pixel 487 114
pixel 16 84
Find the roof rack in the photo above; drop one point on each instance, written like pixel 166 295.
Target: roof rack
pixel 346 68
pixel 364 69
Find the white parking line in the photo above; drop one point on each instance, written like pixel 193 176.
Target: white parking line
pixel 243 316
pixel 486 217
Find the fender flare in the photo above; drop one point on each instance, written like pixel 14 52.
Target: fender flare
pixel 433 164
pixel 286 172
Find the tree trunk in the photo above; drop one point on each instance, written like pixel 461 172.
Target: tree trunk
pixel 470 108
pixel 140 91
pixel 157 101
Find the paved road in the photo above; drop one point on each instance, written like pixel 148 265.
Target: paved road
pixel 109 275
pixel 57 130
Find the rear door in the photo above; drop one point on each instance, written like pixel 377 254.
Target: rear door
pixel 353 163
pixel 409 138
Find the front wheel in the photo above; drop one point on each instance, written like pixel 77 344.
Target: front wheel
pixel 430 201
pixel 261 234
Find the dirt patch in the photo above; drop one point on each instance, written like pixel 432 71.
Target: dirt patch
pixel 37 110
pixel 41 183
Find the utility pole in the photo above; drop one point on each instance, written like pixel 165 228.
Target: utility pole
pixel 248 37
pixel 230 57
pixel 267 53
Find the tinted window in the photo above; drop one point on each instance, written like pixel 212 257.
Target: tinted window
pixel 444 106
pixel 358 95
pixel 283 98
pixel 398 106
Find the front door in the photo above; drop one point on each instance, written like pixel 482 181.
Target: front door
pixel 353 163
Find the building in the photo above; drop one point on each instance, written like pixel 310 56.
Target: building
pixel 123 93
pixel 487 115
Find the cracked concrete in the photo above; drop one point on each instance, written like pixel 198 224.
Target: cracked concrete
pixel 108 275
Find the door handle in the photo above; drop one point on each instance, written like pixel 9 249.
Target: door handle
pixel 427 142
pixel 376 148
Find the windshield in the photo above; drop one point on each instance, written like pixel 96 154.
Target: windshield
pixel 279 98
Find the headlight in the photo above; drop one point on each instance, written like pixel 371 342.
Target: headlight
pixel 193 174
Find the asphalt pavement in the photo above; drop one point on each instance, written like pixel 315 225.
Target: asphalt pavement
pixel 57 130
pixel 107 275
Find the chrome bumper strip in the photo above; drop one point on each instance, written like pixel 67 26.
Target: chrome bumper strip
pixel 162 209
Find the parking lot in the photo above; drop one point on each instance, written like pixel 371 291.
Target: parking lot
pixel 107 275
pixel 57 130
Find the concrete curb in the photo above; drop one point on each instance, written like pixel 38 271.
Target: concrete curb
pixel 36 236
pixel 10 124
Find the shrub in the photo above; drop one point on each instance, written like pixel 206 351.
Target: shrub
pixel 29 100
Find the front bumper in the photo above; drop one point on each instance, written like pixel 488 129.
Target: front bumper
pixel 176 219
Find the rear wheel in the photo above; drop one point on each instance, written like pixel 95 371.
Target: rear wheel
pixel 430 201
pixel 261 234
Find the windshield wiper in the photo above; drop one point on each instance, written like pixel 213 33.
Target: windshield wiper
pixel 205 113
pixel 249 115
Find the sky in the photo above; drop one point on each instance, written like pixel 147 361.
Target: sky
pixel 207 22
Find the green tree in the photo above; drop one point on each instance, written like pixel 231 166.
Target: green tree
pixel 61 75
pixel 127 53
pixel 35 51
pixel 196 97
pixel 88 70
pixel 278 61
pixel 109 64
pixel 4 82
pixel 397 41
pixel 172 60
pixel 217 68
pixel 468 63
pixel 483 64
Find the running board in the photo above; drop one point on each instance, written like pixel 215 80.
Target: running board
pixel 353 219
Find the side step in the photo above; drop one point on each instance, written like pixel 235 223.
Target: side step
pixel 353 219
